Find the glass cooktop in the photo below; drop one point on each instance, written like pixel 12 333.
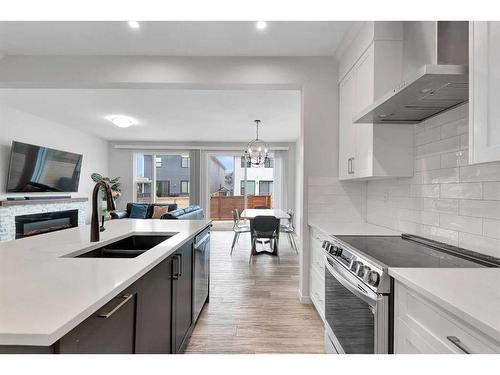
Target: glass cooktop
pixel 394 251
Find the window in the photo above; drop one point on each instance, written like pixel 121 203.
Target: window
pixel 184 187
pixel 162 189
pixel 158 161
pixel 269 163
pixel 162 178
pixel 244 160
pixel 250 187
pixel 265 187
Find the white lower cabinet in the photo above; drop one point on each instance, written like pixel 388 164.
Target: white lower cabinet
pixel 317 272
pixel 421 326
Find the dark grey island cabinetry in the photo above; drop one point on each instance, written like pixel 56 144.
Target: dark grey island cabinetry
pixel 153 315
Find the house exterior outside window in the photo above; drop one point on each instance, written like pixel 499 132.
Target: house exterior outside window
pixel 265 187
pixel 250 187
pixel 184 162
pixel 184 187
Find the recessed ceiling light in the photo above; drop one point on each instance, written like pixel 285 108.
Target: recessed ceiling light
pixel 134 24
pixel 121 121
pixel 261 25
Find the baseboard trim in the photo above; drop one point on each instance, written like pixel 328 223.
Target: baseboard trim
pixel 306 300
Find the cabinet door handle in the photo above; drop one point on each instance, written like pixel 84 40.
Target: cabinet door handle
pixel 349 166
pixel 125 298
pixel 456 341
pixel 180 265
pixel 175 272
pixel 352 165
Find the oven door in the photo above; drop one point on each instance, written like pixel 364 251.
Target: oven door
pixel 357 318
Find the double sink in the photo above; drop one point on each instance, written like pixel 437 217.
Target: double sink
pixel 128 247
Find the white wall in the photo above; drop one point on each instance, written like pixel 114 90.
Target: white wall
pixel 446 199
pixel 20 126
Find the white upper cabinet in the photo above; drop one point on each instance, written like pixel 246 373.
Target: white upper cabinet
pixel 369 67
pixel 484 92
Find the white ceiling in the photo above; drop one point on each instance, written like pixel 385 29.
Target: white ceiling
pixel 167 115
pixel 171 38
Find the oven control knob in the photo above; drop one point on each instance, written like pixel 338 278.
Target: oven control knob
pixel 354 265
pixel 373 278
pixel 325 245
pixel 363 271
pixel 338 251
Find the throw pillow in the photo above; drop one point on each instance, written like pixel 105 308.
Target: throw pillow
pixel 159 211
pixel 138 211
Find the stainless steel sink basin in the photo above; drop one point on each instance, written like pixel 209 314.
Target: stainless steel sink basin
pixel 128 247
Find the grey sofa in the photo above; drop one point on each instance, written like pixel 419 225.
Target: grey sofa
pixel 174 213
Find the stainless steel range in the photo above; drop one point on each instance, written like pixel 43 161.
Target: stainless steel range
pixel 358 288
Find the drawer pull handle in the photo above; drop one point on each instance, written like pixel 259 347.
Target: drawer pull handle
pixel 125 299
pixel 456 341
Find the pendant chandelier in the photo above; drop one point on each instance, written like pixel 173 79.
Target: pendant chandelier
pixel 257 150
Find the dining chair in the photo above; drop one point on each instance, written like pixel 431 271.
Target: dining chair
pixel 289 229
pixel 265 227
pixel 238 228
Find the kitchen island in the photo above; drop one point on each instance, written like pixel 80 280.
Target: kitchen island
pixel 47 292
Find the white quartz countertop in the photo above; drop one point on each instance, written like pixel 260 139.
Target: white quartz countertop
pixel 43 295
pixel 471 294
pixel 337 228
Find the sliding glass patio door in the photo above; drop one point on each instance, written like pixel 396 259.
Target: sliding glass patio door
pixel 233 183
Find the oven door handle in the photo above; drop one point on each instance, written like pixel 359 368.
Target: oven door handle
pixel 357 290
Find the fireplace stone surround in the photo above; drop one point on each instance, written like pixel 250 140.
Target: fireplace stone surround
pixel 10 209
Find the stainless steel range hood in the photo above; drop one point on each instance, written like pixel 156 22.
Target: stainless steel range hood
pixel 433 88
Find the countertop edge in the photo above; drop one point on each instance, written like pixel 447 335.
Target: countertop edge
pixel 485 328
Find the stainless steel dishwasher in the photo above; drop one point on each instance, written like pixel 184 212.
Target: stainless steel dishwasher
pixel 201 272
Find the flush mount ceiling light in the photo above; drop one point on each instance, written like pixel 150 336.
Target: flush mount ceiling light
pixel 134 24
pixel 261 25
pixel 257 151
pixel 121 121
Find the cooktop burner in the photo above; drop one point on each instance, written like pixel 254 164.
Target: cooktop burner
pixel 415 252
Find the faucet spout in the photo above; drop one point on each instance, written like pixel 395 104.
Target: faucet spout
pixel 94 223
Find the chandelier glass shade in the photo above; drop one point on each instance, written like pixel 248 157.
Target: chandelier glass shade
pixel 257 151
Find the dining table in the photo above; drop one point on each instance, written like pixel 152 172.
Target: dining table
pixel 250 214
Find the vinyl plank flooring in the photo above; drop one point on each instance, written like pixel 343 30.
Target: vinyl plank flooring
pixel 254 308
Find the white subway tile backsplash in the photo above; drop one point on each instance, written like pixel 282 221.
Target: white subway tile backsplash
pixel 462 191
pixel 485 245
pixel 480 208
pixel 425 191
pixel 432 135
pixel 428 163
pixel 453 202
pixel 454 128
pixel 441 205
pixel 440 234
pixel 491 228
pixel 441 176
pixel 430 218
pixel 480 172
pixel 454 159
pixel 445 145
pixel 466 224
pixel 491 190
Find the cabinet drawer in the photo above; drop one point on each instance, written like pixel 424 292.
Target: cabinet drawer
pixel 436 326
pixel 110 330
pixel 317 292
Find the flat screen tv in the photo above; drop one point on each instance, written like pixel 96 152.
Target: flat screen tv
pixel 35 169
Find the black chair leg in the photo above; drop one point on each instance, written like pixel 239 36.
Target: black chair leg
pixel 236 234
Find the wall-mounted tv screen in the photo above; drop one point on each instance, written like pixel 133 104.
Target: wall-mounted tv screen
pixel 35 169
